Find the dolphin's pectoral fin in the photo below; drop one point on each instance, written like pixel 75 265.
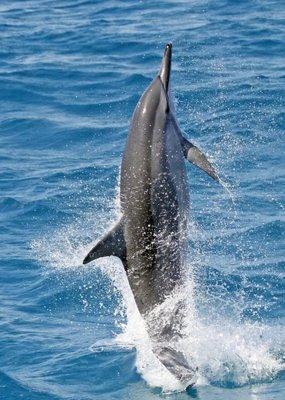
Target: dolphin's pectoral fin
pixel 195 156
pixel 112 244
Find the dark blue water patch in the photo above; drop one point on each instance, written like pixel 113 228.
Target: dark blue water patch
pixel 21 132
pixel 99 372
pixel 19 125
pixel 90 172
pixel 9 204
pixel 87 192
pixel 41 208
pixel 93 292
pixel 16 92
pixel 27 211
pixel 254 241
pixel 137 81
pixel 254 298
pixel 262 269
pixel 12 388
pixel 114 108
pixel 265 295
pixel 213 290
pixel 73 4
pixel 15 270
pixel 43 75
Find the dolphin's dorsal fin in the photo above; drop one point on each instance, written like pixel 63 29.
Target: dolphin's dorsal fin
pixel 112 244
pixel 195 156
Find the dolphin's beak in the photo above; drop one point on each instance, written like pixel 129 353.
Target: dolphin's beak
pixel 166 66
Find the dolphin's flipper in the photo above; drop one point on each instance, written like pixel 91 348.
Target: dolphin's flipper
pixel 112 244
pixel 195 156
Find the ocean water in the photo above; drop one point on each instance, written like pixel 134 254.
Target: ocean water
pixel 71 74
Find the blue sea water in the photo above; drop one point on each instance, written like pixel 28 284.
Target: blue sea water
pixel 71 74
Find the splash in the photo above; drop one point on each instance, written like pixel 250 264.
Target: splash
pixel 228 351
pixel 229 191
pixel 58 249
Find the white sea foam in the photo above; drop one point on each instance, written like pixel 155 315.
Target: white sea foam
pixel 227 350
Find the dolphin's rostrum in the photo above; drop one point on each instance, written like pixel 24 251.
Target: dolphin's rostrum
pixel 150 238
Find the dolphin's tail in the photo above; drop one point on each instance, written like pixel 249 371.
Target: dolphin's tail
pixel 177 364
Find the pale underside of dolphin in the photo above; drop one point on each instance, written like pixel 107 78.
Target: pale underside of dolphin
pixel 150 237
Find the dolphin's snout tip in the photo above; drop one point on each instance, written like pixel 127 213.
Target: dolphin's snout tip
pixel 164 72
pixel 168 47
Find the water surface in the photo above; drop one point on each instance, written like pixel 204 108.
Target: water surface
pixel 71 74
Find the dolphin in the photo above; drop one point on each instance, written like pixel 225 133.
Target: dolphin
pixel 151 236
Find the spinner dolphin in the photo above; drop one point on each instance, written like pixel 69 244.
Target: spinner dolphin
pixel 150 238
